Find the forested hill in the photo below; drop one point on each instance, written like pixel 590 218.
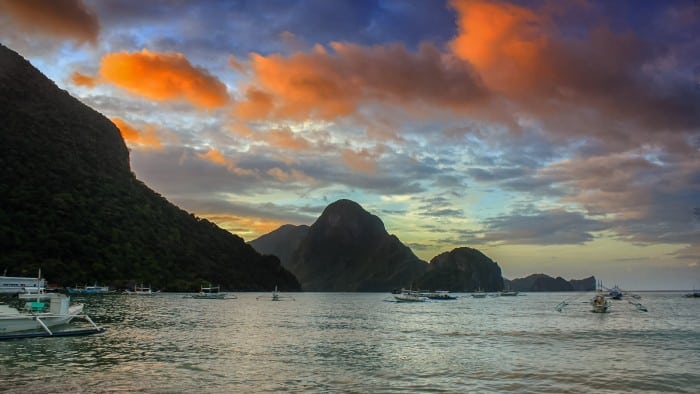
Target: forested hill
pixel 71 206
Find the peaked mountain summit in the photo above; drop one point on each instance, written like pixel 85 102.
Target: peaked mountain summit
pixel 346 249
pixel 72 207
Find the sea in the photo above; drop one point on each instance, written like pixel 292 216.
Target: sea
pixel 360 343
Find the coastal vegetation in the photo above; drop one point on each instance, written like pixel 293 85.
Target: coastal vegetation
pixel 72 207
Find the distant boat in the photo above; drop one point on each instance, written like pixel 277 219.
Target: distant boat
pixel 95 289
pixel 694 294
pixel 615 293
pixel 211 292
pixel 600 304
pixel 20 284
pixel 141 290
pixel 508 293
pixel 410 296
pixel 276 296
pixel 479 293
pixel 440 295
pixel 41 314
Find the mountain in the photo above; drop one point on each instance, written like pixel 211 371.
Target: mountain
pixel 346 249
pixel 72 207
pixel 462 269
pixel 281 242
pixel 542 282
pixel 586 284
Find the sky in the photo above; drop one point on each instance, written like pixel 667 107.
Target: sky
pixel 557 137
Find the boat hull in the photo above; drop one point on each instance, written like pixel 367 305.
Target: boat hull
pixel 410 298
pixel 28 322
pixel 219 296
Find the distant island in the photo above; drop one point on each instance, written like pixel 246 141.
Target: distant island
pixel 542 282
pixel 348 249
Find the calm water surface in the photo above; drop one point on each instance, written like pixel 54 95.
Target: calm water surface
pixel 356 343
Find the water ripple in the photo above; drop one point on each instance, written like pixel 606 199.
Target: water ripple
pixel 355 343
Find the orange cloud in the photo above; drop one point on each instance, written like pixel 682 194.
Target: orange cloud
pixel 290 176
pixel 68 18
pixel 328 84
pixel 81 79
pixel 363 160
pixel 215 156
pixel 257 104
pixel 163 76
pixel 147 138
pixel 286 139
pixel 246 227
pixel 503 41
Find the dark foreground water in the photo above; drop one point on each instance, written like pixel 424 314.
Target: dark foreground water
pixel 356 343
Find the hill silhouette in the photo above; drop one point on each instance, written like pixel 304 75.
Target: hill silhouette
pixel 72 207
pixel 346 249
pixel 462 269
pixel 281 242
pixel 542 282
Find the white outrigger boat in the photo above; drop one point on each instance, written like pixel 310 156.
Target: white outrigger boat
pixel 42 312
pixel 410 296
pixel 600 303
pixel 210 293
pixel 141 290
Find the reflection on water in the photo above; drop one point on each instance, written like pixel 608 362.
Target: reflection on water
pixel 334 342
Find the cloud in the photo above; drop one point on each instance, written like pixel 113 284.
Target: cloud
pixel 291 176
pixel 235 64
pixel 503 41
pixel 69 19
pixel 286 139
pixel 546 227
pixel 80 79
pixel 597 83
pixel 215 156
pixel 642 197
pixel 146 138
pixel 362 160
pixel 163 77
pixel 337 81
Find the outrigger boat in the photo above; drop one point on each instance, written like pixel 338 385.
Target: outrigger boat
pixel 39 315
pixel 276 296
pixel 440 295
pixel 88 289
pixel 410 296
pixel 615 293
pixel 141 290
pixel 601 303
pixel 210 293
pixel 479 294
